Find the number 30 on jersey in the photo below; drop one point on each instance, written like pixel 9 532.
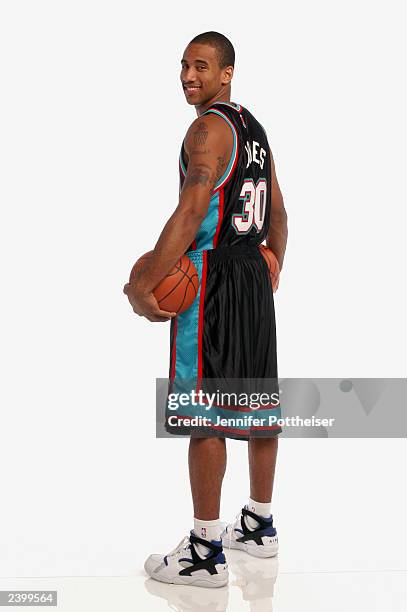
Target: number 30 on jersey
pixel 254 206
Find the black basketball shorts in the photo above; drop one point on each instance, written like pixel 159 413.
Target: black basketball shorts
pixel 224 346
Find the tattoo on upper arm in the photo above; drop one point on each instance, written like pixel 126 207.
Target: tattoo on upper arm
pixel 199 175
pixel 200 134
pixel 199 172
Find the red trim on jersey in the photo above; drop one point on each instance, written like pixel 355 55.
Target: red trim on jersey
pixel 193 245
pixel 220 217
pixel 181 170
pixel 200 320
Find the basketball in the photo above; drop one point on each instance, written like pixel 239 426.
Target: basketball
pixel 177 291
pixel 272 265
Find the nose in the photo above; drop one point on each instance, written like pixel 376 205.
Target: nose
pixel 188 75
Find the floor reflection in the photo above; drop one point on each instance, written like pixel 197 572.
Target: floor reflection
pixel 255 578
pixel 190 598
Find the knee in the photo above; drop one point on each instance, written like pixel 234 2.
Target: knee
pixel 259 443
pixel 209 443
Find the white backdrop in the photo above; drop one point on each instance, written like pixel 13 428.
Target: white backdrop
pixel 92 112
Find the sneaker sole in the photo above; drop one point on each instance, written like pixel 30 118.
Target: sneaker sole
pixel 199 581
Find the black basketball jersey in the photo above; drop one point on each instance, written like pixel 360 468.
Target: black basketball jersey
pixel 239 209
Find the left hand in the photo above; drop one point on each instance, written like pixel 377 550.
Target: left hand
pixel 145 304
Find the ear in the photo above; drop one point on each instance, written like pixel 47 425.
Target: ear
pixel 227 75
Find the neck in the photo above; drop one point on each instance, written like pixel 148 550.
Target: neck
pixel 222 96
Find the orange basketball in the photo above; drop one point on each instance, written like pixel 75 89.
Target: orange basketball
pixel 272 264
pixel 177 291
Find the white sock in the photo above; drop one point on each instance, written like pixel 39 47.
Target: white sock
pixel 260 508
pixel 207 530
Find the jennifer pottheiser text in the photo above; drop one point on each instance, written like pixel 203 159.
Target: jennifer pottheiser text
pixel 249 421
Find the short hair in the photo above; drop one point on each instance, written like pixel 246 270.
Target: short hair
pixel 223 46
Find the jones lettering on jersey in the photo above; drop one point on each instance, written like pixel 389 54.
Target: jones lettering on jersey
pixel 255 154
pixel 254 206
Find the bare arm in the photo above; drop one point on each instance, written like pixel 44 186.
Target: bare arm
pixel 208 144
pixel 278 231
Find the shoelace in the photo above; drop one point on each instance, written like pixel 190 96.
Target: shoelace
pixel 183 545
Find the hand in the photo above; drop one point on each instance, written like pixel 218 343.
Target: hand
pixel 145 304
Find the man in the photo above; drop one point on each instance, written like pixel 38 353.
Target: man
pixel 230 202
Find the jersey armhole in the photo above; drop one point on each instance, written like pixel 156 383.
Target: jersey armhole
pixel 181 162
pixel 233 158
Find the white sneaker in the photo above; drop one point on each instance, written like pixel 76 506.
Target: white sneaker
pixel 184 565
pixel 260 542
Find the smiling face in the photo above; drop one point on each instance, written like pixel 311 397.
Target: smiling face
pixel 202 78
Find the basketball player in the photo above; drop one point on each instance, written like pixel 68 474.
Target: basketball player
pixel 230 202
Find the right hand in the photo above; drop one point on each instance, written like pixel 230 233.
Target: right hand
pixel 144 303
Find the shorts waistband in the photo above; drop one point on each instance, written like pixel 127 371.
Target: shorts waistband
pixel 226 252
